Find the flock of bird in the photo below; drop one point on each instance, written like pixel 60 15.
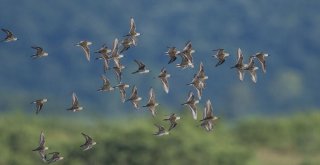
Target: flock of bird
pixel 115 54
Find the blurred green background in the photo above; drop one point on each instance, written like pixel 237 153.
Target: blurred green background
pixel 271 122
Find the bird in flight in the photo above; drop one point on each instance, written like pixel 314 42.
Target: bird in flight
pixel 85 46
pixel 10 37
pixel 39 52
pixel 89 143
pixel 39 104
pixel 75 104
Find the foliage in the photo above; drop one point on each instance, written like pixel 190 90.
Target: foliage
pixel 122 141
pixel 130 141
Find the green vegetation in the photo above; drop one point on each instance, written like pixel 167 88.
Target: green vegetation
pixel 292 140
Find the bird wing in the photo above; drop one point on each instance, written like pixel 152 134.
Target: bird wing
pixel 240 57
pixel 115 47
pixel 132 26
pixel 262 61
pixel 87 137
pixel 253 74
pixel 8 32
pixel 42 140
pixel 165 84
pixel 86 51
pixel 193 109
pixel 75 101
pixel 241 74
pixel 152 97
pixel 123 94
pixel 39 107
pixel 208 108
pixel 118 72
pixel 39 49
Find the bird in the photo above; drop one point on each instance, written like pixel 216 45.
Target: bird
pixel 104 52
pixel 39 53
pixel 127 43
pixel 161 131
pixel 188 51
pixel 10 36
pixel 122 87
pixel 85 46
pixel 54 158
pixel 106 86
pixel 239 65
pixel 185 62
pixel 39 104
pixel 198 84
pixel 163 76
pixel 262 59
pixel 105 56
pixel 105 65
pixel 115 55
pixel 41 148
pixel 132 31
pixel 141 68
pixel 201 75
pixel 172 53
pixel 75 104
pixel 118 68
pixel 89 143
pixel 208 119
pixel 134 98
pixel 251 68
pixel 173 121
pixel 191 103
pixel 221 55
pixel 152 104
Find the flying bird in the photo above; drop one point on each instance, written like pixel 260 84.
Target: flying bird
pixel 163 76
pixel 75 104
pixel 134 98
pixel 39 52
pixel 188 51
pixel 185 62
pixel 127 43
pixel 252 69
pixel 141 68
pixel 221 55
pixel 41 148
pixel 208 120
pixel 122 87
pixel 172 53
pixel 104 52
pixel 132 31
pixel 173 121
pixel 201 75
pixel 89 143
pixel 262 59
pixel 105 56
pixel 55 156
pixel 115 54
pixel 9 36
pixel 198 84
pixel 152 104
pixel 191 103
pixel 106 86
pixel 85 46
pixel 39 104
pixel 239 65
pixel 161 131
pixel 118 68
